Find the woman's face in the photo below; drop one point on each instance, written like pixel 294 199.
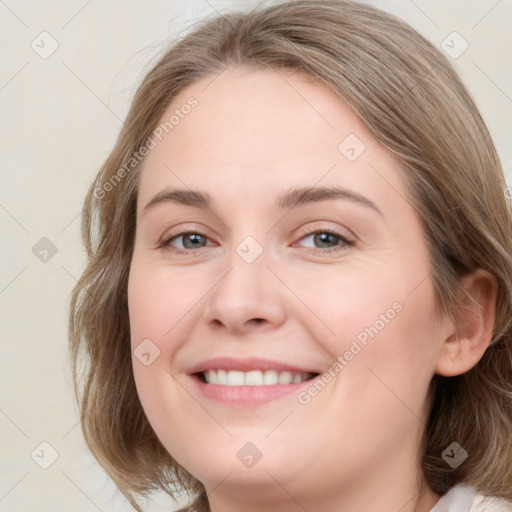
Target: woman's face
pixel 278 278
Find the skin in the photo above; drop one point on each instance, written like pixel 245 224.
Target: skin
pixel 255 134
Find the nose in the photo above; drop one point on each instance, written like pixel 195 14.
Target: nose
pixel 247 297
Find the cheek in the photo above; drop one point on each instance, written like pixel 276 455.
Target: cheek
pixel 390 353
pixel 153 310
pixel 164 305
pixel 359 302
pixel 160 303
pixel 161 309
pixel 384 334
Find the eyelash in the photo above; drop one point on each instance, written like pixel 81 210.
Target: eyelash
pixel 165 244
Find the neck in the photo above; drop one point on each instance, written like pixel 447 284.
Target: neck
pixel 385 489
pixel 420 501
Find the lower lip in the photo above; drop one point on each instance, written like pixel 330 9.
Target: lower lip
pixel 247 395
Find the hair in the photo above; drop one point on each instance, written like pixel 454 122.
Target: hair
pixel 412 100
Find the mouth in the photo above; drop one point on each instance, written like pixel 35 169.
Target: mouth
pixel 248 382
pixel 234 378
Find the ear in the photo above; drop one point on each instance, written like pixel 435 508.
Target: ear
pixel 468 335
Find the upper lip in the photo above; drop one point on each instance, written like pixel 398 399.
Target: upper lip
pixel 245 365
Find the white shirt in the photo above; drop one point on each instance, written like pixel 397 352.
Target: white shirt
pixel 464 498
pixel 460 498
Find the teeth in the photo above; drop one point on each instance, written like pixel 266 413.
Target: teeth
pixel 235 379
pixel 285 378
pixel 254 377
pixel 222 377
pixel 270 377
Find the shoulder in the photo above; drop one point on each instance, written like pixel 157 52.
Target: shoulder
pixel 487 504
pixel 464 497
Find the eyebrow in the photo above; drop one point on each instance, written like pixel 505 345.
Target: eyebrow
pixel 290 199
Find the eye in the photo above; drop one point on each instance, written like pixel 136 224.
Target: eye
pixel 190 239
pixel 329 237
pixel 194 240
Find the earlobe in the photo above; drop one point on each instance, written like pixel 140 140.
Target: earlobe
pixel 469 334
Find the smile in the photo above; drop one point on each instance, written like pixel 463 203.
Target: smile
pixel 254 377
pixel 248 382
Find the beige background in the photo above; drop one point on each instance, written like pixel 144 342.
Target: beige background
pixel 59 119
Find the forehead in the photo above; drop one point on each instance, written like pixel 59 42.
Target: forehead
pixel 254 131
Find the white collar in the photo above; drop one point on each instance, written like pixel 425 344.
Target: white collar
pixel 459 498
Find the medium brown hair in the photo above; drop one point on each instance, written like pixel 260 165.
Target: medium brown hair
pixel 408 94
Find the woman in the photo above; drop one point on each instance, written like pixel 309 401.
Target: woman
pixel 234 356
